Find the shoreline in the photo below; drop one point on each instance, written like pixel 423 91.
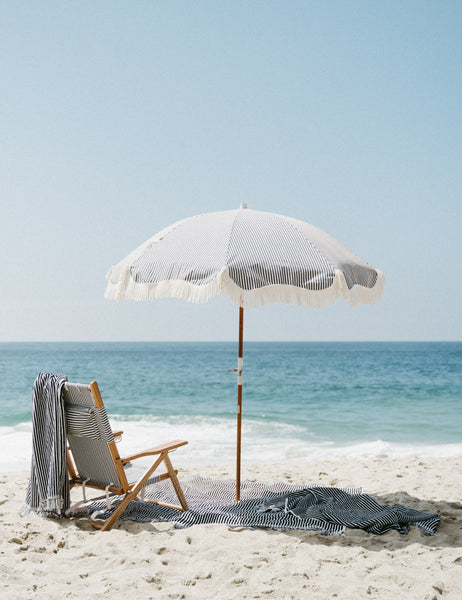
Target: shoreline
pixel 209 440
pixel 64 558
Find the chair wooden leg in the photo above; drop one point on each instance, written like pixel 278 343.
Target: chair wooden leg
pixel 70 464
pixel 129 496
pixel 175 482
pixel 133 493
pixel 172 475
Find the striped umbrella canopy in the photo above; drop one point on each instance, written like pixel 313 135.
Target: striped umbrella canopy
pixel 255 258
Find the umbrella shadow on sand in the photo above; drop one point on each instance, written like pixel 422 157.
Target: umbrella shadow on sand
pixel 448 534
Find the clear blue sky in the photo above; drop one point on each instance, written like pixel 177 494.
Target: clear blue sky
pixel 119 118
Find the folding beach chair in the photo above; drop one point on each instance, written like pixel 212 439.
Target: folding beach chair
pixel 93 458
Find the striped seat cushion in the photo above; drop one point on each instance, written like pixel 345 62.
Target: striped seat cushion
pixel 89 422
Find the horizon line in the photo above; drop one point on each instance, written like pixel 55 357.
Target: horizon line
pixel 252 341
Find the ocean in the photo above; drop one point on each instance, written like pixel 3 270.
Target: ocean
pixel 301 400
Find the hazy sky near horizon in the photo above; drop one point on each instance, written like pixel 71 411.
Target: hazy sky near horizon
pixel 119 118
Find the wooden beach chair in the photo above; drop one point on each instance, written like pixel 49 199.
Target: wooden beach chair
pixel 93 459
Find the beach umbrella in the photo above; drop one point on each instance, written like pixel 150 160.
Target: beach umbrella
pixel 254 257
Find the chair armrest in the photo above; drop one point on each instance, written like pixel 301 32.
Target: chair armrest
pixel 117 436
pixel 156 450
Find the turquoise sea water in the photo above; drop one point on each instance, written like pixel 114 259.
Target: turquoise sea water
pixel 327 400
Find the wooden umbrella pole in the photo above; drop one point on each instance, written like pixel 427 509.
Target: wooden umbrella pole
pixel 239 402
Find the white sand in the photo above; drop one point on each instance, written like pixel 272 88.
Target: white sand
pixel 57 559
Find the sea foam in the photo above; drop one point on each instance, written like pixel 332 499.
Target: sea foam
pixel 212 441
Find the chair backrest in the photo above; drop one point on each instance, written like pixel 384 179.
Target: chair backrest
pixel 90 435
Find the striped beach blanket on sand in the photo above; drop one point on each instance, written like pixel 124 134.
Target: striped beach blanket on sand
pixel 48 489
pixel 276 506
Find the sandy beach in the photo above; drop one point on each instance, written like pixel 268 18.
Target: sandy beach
pixel 58 559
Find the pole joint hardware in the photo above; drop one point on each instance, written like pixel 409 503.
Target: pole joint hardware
pixel 240 362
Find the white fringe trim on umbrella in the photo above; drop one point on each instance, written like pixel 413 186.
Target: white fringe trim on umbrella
pixel 122 287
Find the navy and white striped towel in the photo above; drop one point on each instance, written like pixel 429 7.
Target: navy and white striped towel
pixel 48 490
pixel 276 506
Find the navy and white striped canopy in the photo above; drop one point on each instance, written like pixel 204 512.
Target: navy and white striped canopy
pixel 254 257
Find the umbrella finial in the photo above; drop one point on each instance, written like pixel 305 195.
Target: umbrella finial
pixel 243 205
